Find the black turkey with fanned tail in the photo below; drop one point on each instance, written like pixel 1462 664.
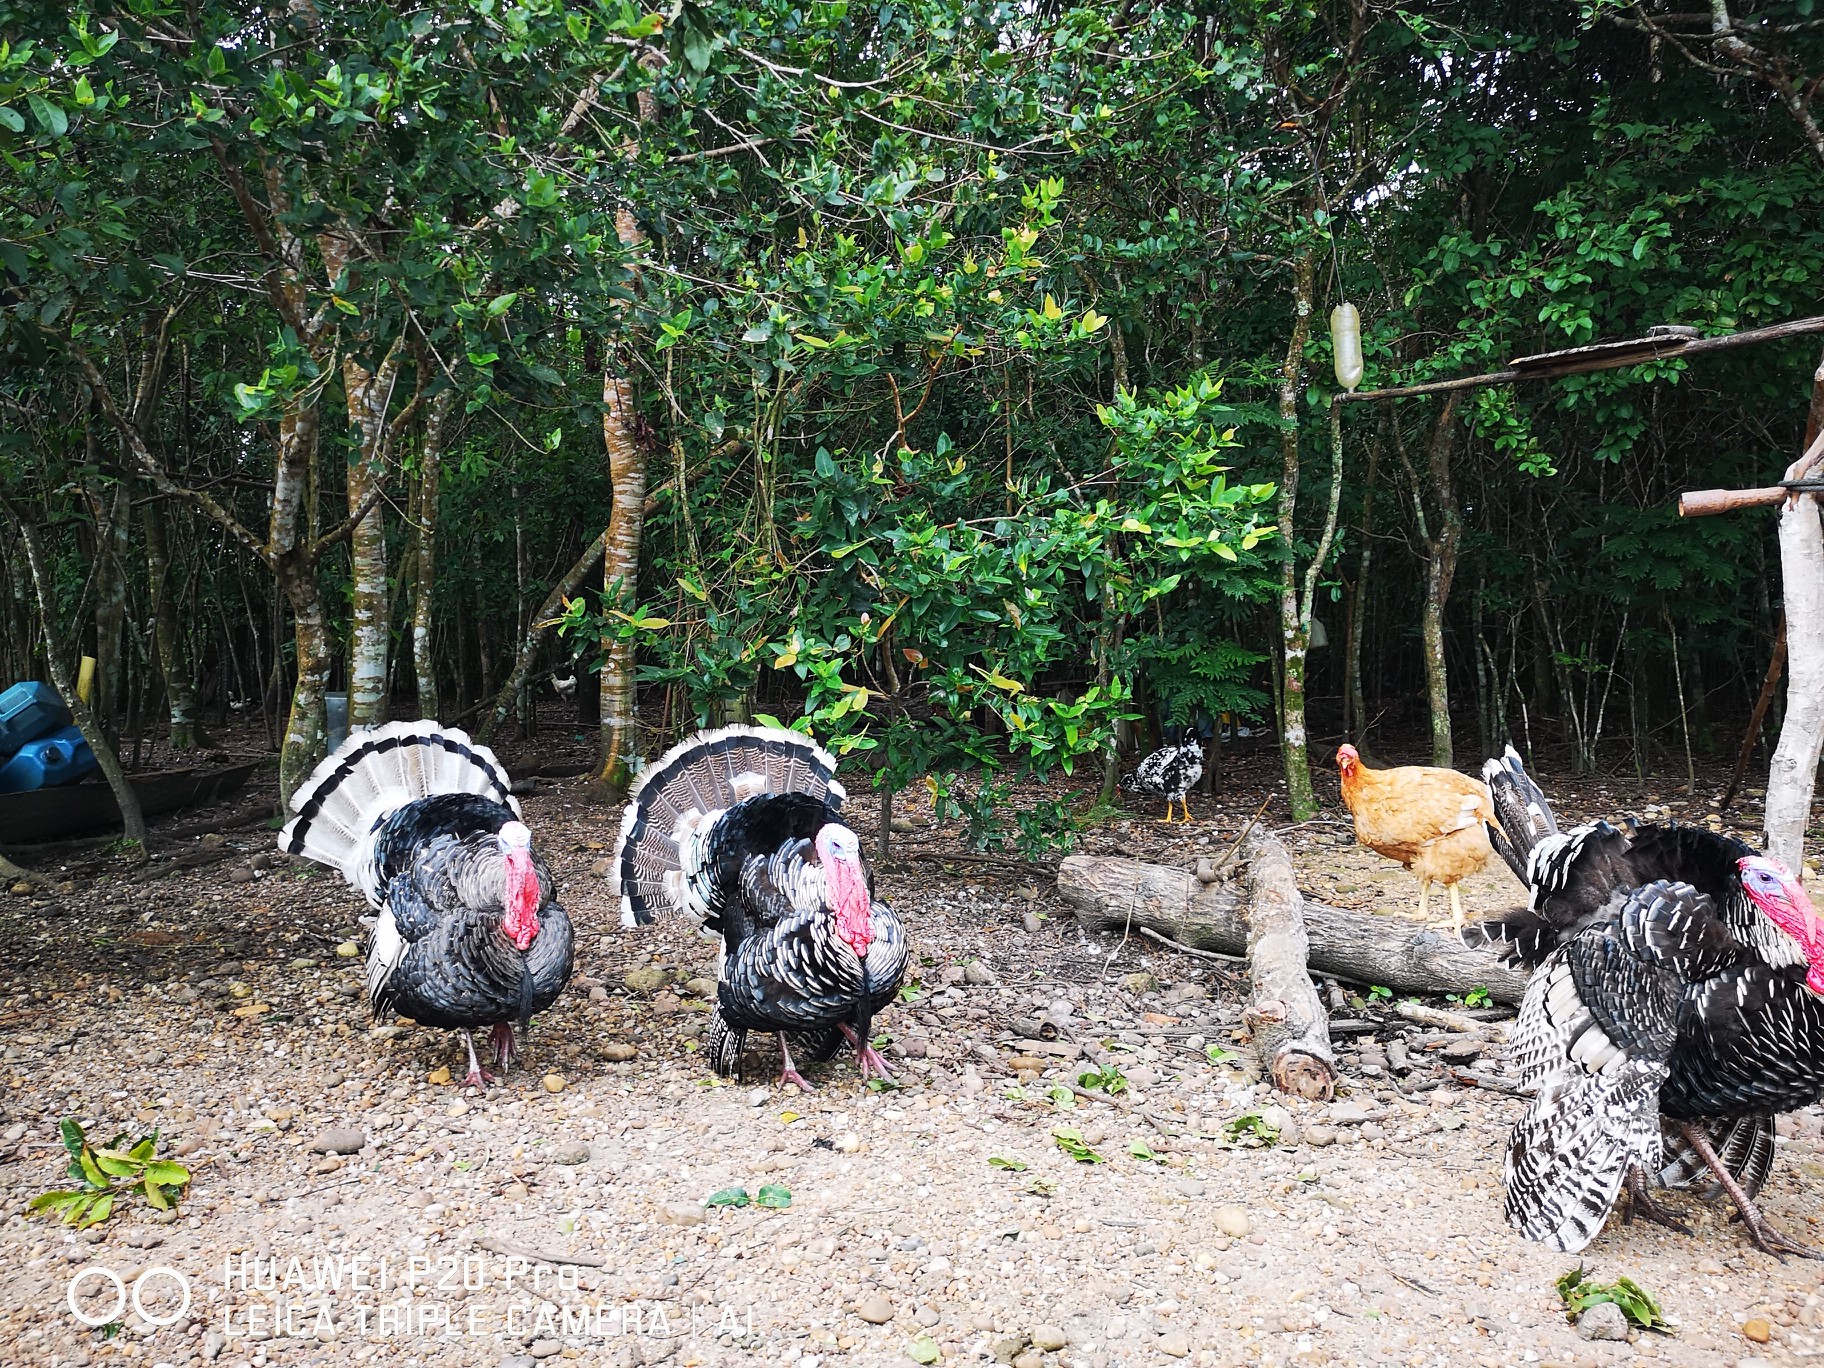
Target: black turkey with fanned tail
pixel 1676 1007
pixel 741 830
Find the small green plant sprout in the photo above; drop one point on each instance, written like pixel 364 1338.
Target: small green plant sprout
pixel 1011 1165
pixel 773 1197
pixel 1217 1055
pixel 1251 1130
pixel 909 991
pixel 1139 1149
pixel 109 1174
pixel 1105 1078
pixel 1640 1306
pixel 1040 1186
pixel 1071 1141
pixel 728 1197
pixel 1380 993
pixel 1477 997
pixel 1061 1097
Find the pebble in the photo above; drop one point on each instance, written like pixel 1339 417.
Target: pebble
pixel 875 1310
pixel 213 1344
pixel 679 1214
pixel 847 1143
pixel 1048 1338
pixel 619 1052
pixel 1319 1136
pixel 338 1140
pixel 1140 984
pixel 602 868
pixel 704 988
pixel 1232 1221
pixel 1030 1359
pixel 646 981
pixel 977 974
pixel 570 1154
pixel 1757 1330
pixel 241 874
pixel 1603 1321
pixel 348 950
pixel 1029 923
pixel 545 1348
pixel 1175 1344
pixel 1461 1051
pixel 554 1083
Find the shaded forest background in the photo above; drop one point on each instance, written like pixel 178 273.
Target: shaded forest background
pixel 950 378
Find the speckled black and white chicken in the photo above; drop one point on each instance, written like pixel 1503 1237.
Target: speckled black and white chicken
pixel 1675 1008
pixel 1169 773
pixel 467 931
pixel 741 830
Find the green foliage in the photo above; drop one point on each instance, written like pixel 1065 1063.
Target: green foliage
pixel 1070 1140
pixel 110 1174
pixel 1639 1305
pixel 1250 1130
pixel 1104 1078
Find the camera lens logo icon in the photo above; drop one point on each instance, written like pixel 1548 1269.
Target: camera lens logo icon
pixel 122 1296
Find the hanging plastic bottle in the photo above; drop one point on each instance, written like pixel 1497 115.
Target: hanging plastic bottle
pixel 1346 344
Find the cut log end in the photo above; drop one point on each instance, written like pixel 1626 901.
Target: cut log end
pixel 1302 1074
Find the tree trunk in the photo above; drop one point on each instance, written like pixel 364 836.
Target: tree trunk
pixel 370 395
pixel 294 565
pixel 621 578
pixel 1355 706
pixel 111 513
pixel 424 562
pixel 133 821
pixel 180 685
pixel 1294 626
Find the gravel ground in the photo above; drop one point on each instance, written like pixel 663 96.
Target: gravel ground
pixel 942 1222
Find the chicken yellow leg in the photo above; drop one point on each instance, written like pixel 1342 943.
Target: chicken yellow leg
pixel 1456 908
pixel 1424 897
pixel 1185 803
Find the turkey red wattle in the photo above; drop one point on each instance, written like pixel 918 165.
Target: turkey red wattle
pixel 846 884
pixel 1783 901
pixel 519 918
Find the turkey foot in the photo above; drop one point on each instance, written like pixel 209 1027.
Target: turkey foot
pixel 506 1050
pixel 866 1056
pixel 1641 1203
pixel 478 1077
pixel 1767 1238
pixel 789 1074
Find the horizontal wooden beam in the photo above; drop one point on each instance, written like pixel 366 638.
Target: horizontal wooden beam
pixel 1661 347
pixel 1701 503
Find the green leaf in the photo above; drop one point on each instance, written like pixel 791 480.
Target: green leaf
pixel 167 1172
pixel 1011 1165
pixel 922 1350
pixel 728 1197
pixel 1071 1141
pixel 72 1136
pixel 12 119
pixel 774 1197
pixel 501 303
pixel 50 118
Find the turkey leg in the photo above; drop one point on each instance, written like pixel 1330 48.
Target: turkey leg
pixel 1766 1237
pixel 478 1076
pixel 1641 1203
pixel 506 1050
pixel 789 1074
pixel 866 1056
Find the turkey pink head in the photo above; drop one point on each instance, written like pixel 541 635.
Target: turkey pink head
pixel 1784 902
pixel 520 917
pixel 847 882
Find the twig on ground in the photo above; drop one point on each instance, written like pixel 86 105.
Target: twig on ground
pixel 1216 955
pixel 495 1245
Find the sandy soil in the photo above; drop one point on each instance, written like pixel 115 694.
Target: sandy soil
pixel 943 1222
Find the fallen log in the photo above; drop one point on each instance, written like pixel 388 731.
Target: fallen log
pixel 1290 1027
pixel 1111 894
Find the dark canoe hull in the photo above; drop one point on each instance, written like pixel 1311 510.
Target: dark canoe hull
pixel 50 814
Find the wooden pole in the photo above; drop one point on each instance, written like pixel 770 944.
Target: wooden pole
pixel 1794 771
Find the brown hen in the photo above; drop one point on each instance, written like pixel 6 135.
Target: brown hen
pixel 1429 819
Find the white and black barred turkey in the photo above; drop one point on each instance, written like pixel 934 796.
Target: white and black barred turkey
pixel 1676 1007
pixel 741 830
pixel 1169 773
pixel 468 932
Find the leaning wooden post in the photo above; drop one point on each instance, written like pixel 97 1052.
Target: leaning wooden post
pixel 1794 771
pixel 1291 1030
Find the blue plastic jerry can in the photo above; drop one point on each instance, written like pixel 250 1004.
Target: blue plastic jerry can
pixel 27 712
pixel 59 758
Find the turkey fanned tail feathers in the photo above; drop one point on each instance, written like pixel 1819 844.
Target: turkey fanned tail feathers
pixel 682 793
